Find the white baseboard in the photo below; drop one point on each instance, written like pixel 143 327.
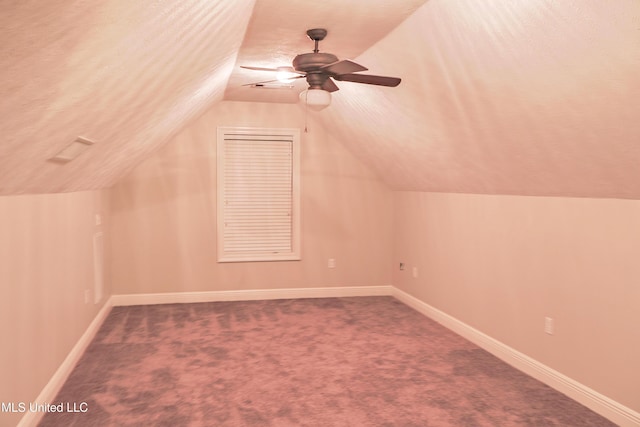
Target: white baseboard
pixel 56 382
pixel 249 295
pixel 608 408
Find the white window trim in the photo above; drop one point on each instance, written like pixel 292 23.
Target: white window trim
pixel 242 132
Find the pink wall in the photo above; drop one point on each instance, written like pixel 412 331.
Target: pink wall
pixel 164 237
pixel 46 265
pixel 503 263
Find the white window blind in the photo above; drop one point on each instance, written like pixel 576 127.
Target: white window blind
pixel 258 194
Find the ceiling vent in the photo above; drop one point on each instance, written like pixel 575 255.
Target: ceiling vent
pixel 73 150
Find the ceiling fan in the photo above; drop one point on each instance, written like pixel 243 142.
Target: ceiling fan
pixel 320 69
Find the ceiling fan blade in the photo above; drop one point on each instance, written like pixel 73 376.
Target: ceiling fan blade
pixel 343 67
pixel 330 86
pixel 259 83
pixel 275 70
pixel 272 81
pixel 369 79
pixel 259 68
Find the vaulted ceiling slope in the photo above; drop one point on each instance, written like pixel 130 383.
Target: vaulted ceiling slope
pixel 125 74
pixel 528 97
pixel 531 97
pixel 130 74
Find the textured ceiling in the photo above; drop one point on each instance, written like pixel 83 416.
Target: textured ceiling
pixel 531 97
pixel 126 74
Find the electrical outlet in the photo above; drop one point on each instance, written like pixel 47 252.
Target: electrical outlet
pixel 548 325
pixel 402 266
pixel 415 272
pixel 331 263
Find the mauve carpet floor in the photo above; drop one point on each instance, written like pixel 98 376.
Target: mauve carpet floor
pixel 309 362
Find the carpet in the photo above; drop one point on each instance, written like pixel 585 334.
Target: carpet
pixel 366 361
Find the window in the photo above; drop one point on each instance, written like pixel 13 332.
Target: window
pixel 258 194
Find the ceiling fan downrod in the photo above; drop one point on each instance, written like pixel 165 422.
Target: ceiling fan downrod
pixel 317 34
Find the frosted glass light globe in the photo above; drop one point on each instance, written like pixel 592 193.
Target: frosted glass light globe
pixel 316 99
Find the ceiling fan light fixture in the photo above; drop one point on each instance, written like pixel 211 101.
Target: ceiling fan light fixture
pixel 316 99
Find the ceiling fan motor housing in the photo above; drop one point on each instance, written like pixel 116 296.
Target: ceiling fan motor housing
pixel 309 62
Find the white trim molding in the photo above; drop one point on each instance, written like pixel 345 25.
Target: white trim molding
pixel 58 379
pixel 608 408
pixel 249 295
